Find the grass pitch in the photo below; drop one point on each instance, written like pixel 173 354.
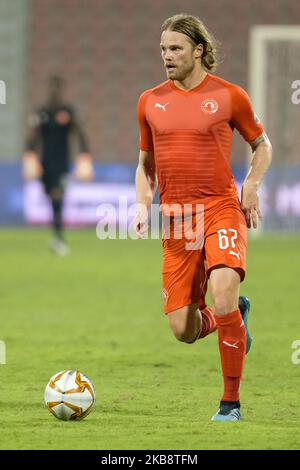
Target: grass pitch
pixel 99 310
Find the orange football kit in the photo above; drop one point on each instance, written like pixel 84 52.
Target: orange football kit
pixel 190 133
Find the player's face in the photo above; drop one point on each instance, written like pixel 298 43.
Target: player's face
pixel 179 55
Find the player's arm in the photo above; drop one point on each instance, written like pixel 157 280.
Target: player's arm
pixel 78 131
pixel 31 167
pixel 145 179
pixel 146 185
pixel 261 160
pixel 249 126
pixel 84 163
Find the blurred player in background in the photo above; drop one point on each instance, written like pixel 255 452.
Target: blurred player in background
pixel 186 127
pixel 47 154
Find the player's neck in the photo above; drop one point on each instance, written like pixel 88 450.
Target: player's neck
pixel 192 80
pixel 55 101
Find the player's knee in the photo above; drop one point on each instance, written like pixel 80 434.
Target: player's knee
pixel 56 194
pixel 223 302
pixel 181 328
pixel 184 336
pixel 224 290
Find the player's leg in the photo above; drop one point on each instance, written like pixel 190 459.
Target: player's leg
pixel 225 285
pixel 189 323
pixel 56 195
pixel 226 250
pixel 56 191
pixel 184 289
pixel 186 323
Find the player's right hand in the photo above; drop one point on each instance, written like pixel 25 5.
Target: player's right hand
pixel 140 223
pixel 31 169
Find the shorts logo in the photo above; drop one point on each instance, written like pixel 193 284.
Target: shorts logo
pixel 165 295
pixel 231 252
pixel 209 106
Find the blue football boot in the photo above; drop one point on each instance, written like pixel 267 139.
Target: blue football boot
pixel 244 306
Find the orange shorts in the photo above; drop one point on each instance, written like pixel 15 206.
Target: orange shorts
pixel 224 242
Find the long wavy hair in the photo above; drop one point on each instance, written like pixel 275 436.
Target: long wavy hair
pixel 196 31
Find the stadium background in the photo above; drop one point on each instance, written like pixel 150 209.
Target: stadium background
pixel 99 309
pixel 108 52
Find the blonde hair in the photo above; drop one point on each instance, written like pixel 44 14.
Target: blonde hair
pixel 194 28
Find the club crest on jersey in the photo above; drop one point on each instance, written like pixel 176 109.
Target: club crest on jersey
pixel 209 106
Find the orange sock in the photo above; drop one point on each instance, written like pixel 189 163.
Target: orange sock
pixel 232 346
pixel 209 324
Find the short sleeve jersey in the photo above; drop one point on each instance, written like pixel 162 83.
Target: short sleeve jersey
pixel 190 133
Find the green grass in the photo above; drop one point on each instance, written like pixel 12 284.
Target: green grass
pixel 100 310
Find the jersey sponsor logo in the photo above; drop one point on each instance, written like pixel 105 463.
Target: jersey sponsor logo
pixel 209 106
pixel 161 106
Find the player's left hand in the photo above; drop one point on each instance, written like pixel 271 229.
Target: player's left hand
pixel 84 170
pixel 141 223
pixel 250 204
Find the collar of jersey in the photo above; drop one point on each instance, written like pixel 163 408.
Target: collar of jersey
pixel 192 90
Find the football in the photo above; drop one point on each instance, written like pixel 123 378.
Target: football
pixel 70 395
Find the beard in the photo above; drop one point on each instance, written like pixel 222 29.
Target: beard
pixel 180 73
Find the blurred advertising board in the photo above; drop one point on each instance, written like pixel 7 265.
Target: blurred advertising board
pixel 25 203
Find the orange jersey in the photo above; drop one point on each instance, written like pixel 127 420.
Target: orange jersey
pixel 190 133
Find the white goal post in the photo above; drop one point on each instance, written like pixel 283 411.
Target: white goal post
pixel 259 36
pixel 262 37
